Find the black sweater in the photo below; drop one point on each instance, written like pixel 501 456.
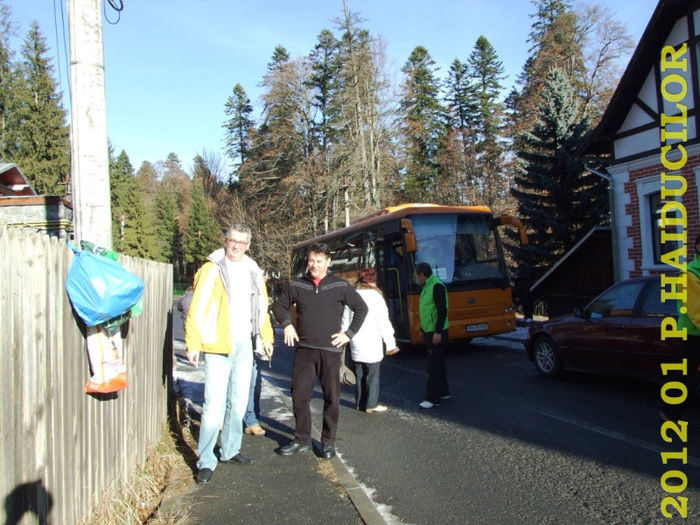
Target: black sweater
pixel 319 310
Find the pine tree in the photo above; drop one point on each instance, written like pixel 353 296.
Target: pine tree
pixel 557 199
pixel 170 248
pixel 470 157
pixel 8 78
pixel 323 81
pixel 121 195
pixel 587 43
pixel 281 144
pixel 133 224
pixel 43 152
pixel 238 126
pixel 269 179
pixel 175 181
pixel 542 56
pixel 148 180
pixel 486 73
pixel 201 236
pixel 457 154
pixel 280 56
pixel 422 124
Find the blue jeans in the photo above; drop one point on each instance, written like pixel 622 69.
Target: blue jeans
pixel 226 385
pixel 252 413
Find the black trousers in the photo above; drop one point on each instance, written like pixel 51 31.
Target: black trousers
pixel 309 364
pixel 367 385
pixel 437 386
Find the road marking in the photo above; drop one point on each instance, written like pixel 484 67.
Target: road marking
pixel 605 432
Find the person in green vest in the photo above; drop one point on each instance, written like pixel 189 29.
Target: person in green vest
pixel 689 318
pixel 433 325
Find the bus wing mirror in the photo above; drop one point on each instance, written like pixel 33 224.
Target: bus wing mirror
pixel 411 245
pixel 513 221
pixel 409 236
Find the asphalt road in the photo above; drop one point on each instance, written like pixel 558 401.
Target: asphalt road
pixel 510 446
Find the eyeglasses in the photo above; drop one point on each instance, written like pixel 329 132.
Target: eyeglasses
pixel 234 242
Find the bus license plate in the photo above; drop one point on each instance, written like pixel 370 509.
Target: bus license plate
pixel 477 327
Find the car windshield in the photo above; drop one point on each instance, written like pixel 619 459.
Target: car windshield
pixel 616 302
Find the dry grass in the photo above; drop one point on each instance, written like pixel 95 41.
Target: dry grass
pixel 155 496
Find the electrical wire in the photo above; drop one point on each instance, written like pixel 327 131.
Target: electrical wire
pixel 118 6
pixel 66 60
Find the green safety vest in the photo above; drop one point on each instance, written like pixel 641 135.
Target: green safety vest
pixel 427 310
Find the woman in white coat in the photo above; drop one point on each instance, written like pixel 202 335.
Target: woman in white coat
pixel 367 345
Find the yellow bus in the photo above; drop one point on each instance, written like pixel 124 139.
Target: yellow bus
pixel 461 244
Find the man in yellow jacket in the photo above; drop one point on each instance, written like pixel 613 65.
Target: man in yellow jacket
pixel 227 318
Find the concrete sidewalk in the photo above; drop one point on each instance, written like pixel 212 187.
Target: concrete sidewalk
pixel 299 489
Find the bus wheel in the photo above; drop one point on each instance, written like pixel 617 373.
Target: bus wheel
pixel 547 360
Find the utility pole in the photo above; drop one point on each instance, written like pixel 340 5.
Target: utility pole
pixel 92 213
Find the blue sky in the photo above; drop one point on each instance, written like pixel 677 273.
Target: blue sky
pixel 171 65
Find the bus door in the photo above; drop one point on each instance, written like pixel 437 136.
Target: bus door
pixel 396 274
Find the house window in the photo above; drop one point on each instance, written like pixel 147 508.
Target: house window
pixel 659 248
pixel 649 215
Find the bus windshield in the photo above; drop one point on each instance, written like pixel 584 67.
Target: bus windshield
pixel 459 248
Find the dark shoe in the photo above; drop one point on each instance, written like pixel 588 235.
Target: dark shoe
pixel 239 459
pixel 293 448
pixel 328 451
pixel 204 475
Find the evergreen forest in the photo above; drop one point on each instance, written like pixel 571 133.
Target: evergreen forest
pixel 335 140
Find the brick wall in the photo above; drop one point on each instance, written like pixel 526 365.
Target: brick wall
pixel 690 201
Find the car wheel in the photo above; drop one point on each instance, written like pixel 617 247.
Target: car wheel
pixel 546 356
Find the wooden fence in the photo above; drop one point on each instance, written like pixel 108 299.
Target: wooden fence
pixel 59 447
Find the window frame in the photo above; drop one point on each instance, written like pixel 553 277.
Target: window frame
pixel 650 236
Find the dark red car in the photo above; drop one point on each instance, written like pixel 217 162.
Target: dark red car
pixel 618 332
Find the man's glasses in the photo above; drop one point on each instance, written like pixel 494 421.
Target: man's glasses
pixel 236 243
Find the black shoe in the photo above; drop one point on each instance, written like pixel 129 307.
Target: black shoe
pixel 204 475
pixel 328 451
pixel 239 459
pixel 293 448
